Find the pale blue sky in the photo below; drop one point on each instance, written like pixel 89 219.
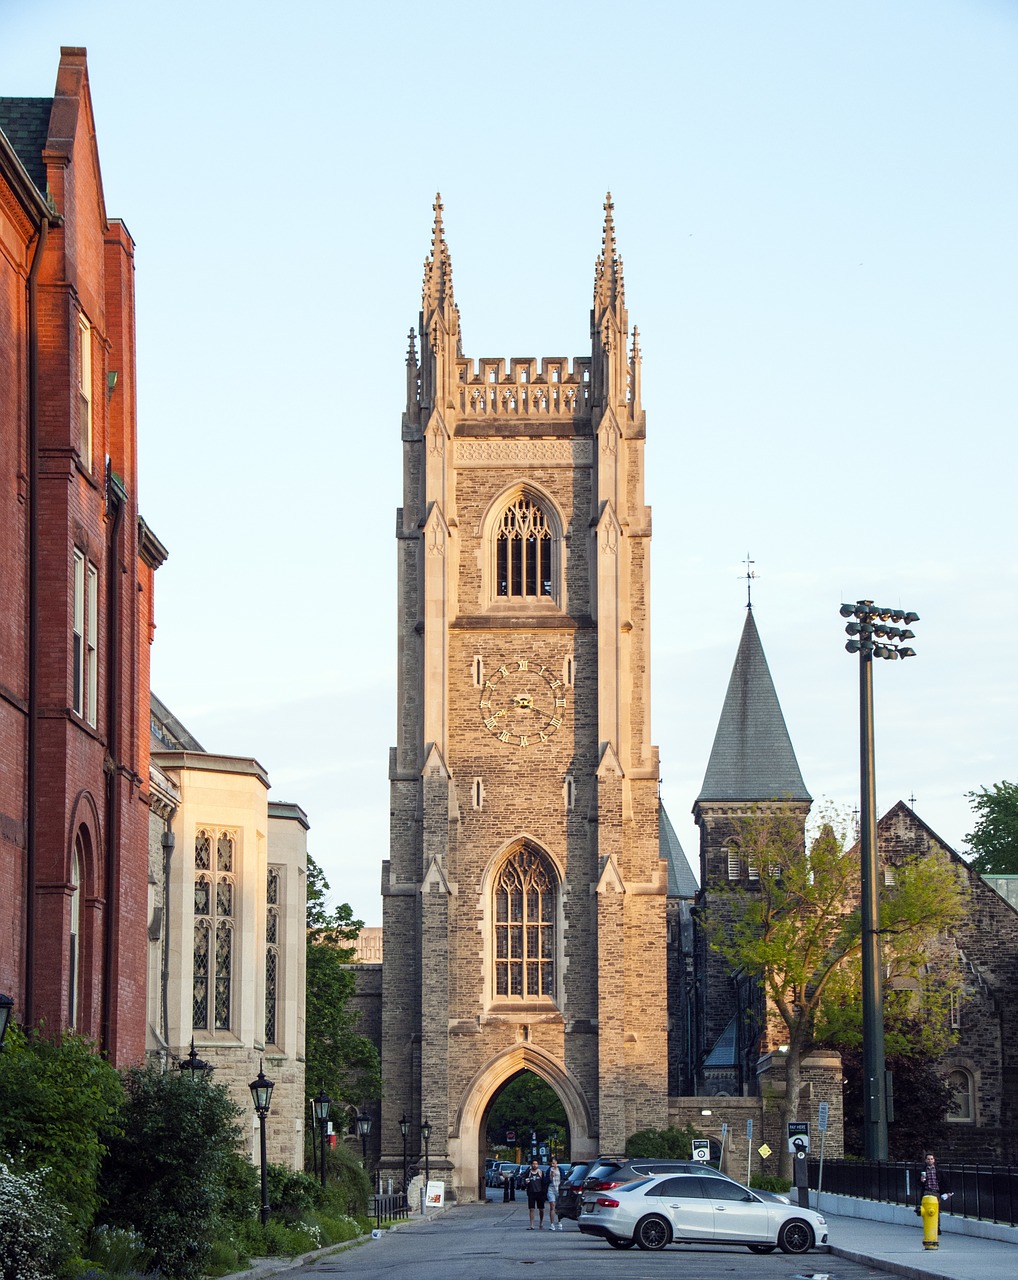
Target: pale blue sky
pixel 816 204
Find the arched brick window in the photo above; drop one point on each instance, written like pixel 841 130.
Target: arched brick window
pixel 524 539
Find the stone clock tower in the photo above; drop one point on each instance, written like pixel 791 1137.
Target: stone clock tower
pixel 524 896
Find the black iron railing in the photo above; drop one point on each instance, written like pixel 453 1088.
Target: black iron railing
pixel 386 1208
pixel 988 1191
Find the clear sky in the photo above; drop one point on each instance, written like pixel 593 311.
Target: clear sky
pixel 816 204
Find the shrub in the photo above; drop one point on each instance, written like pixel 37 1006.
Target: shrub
pixel 348 1187
pixel 292 1196
pixel 662 1144
pixel 60 1106
pixel 770 1182
pixel 169 1174
pixel 33 1242
pixel 118 1252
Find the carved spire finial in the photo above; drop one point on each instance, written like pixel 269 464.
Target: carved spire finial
pixel 411 355
pixel 438 268
pixel 609 288
pixel 636 343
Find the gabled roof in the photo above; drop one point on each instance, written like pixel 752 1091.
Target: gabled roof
pixel 25 121
pixel 752 757
pixel 682 882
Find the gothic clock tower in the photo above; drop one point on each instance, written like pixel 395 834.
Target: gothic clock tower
pixel 524 895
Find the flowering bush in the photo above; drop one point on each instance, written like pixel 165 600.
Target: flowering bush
pixel 33 1242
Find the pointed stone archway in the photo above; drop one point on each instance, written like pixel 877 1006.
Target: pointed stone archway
pixel 466 1138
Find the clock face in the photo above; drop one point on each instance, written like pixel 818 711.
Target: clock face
pixel 523 703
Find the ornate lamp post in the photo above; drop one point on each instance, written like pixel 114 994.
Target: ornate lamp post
pixel 426 1138
pixel 321 1106
pixel 869 637
pixel 199 1069
pixel 404 1128
pixel 261 1095
pixel 364 1128
pixel 6 1008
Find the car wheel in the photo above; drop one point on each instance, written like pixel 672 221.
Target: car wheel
pixel 761 1248
pixel 795 1236
pixel 617 1243
pixel 652 1232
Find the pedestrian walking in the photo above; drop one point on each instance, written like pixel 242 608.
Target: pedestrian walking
pixel 552 1179
pixel 534 1184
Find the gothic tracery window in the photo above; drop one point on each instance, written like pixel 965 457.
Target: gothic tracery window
pixel 523 551
pixel 271 955
pixel 214 893
pixel 524 928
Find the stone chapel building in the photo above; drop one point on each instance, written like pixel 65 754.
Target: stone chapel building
pixel 524 866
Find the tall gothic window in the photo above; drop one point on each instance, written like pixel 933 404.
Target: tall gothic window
pixel 74 958
pixel 214 892
pixel 271 955
pixel 524 920
pixel 523 551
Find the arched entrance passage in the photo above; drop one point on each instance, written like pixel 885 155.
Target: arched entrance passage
pixel 467 1137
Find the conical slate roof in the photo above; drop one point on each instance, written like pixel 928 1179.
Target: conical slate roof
pixel 752 756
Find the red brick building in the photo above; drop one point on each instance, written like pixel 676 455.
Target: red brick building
pixel 76 569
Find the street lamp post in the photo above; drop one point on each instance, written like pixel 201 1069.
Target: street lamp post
pixel 261 1095
pixel 873 633
pixel 426 1138
pixel 404 1128
pixel 321 1106
pixel 364 1128
pixel 6 1008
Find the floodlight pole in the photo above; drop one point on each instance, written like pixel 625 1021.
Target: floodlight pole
pixel 870 635
pixel 874 1069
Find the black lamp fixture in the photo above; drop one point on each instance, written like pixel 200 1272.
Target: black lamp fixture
pixel 321 1106
pixel 198 1067
pixel 871 637
pixel 364 1128
pixel 426 1138
pixel 404 1128
pixel 6 1008
pixel 261 1096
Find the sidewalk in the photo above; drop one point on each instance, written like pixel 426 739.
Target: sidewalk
pixel 898 1246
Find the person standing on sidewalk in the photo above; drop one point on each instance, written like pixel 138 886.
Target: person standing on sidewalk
pixel 933 1183
pixel 551 1185
pixel 535 1193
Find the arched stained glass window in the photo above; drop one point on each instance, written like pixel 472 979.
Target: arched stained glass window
pixel 523 551
pixel 524 927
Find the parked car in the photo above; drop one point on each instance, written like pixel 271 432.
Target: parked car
pixel 697 1208
pixel 609 1173
pixel 568 1204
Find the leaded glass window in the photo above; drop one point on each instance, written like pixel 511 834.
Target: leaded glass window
pixel 214 895
pixel 523 551
pixel 224 974
pixel 200 1004
pixel 272 888
pixel 524 901
pixel 271 975
pixel 272 926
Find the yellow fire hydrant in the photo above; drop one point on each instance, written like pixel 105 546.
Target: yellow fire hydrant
pixel 931 1222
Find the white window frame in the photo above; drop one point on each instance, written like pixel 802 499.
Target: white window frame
pixel 85 391
pixel 84 638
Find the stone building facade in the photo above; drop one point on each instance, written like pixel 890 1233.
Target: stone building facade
pixel 227 927
pixel 76 577
pixel 524 864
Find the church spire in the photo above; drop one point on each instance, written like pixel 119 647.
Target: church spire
pixel 609 288
pixel 752 758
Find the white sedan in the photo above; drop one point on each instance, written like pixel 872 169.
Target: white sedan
pixel 691 1209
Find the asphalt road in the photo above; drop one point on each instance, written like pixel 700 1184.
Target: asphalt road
pixel 481 1242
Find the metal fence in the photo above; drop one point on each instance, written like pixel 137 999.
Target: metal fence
pixel 988 1191
pixel 385 1208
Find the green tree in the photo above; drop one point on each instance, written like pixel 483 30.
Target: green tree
pixel 60 1106
pixel 799 929
pixel 171 1173
pixel 994 839
pixel 527 1104
pixel 337 1057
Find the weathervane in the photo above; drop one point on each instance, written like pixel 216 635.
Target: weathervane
pixel 750 576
